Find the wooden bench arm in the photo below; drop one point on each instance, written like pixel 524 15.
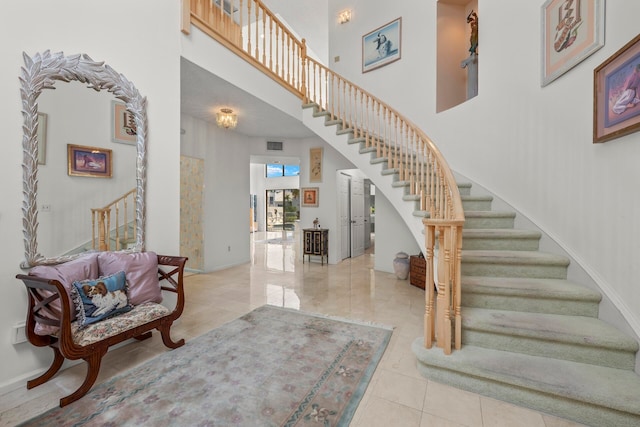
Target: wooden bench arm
pixel 40 303
pixel 172 280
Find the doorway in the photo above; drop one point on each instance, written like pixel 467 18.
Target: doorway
pixel 355 220
pixel 283 209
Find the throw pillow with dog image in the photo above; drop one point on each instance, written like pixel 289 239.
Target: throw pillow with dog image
pixel 98 299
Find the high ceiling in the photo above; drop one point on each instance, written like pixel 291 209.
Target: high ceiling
pixel 203 94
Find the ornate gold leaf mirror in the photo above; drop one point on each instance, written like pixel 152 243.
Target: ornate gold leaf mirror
pixel 40 72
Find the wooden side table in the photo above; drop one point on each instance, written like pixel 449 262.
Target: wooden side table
pixel 315 241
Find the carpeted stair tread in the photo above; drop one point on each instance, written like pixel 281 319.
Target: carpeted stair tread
pixel 489 214
pixel 500 239
pixel 585 331
pixel 496 233
pixel 618 389
pixel 530 287
pixel 513 257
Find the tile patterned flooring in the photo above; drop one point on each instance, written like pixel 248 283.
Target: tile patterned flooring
pixel 397 395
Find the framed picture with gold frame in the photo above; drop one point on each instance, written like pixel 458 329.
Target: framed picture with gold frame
pixel 310 197
pixel 616 97
pixel 315 164
pixel 89 161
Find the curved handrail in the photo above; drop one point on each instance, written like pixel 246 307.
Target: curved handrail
pixel 255 33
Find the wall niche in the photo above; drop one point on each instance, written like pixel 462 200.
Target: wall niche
pixel 457 60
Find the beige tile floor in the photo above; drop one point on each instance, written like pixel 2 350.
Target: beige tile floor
pixel 397 395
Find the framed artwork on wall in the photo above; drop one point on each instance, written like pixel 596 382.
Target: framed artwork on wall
pixel 315 164
pixel 616 94
pixel 571 31
pixel 123 124
pixel 310 197
pixel 42 138
pixel 89 161
pixel 382 46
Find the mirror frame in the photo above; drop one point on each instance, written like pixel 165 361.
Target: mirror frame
pixel 41 72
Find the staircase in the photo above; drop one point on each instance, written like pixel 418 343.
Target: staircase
pixel 530 336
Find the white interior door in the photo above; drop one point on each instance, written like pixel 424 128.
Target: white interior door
pixel 357 216
pixel 367 214
pixel 345 226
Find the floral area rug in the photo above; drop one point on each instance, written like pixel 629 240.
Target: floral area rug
pixel 270 367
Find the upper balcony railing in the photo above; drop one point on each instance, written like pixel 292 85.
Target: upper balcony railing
pixel 255 33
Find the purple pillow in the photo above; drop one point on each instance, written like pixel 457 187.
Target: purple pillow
pixel 141 269
pixel 83 268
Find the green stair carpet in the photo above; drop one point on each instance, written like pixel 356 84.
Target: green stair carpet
pixel 530 336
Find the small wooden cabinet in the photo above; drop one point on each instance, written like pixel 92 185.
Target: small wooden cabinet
pixel 315 242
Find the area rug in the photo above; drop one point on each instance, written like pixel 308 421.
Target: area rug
pixel 270 367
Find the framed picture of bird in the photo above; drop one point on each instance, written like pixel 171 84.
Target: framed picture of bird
pixel 572 30
pixel 382 46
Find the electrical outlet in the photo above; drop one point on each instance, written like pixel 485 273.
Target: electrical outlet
pixel 18 334
pixel 336 58
pixel 46 208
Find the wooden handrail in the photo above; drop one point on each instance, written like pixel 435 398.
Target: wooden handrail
pixel 254 33
pixel 101 222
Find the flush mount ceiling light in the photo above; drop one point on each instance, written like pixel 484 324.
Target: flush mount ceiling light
pixel 226 119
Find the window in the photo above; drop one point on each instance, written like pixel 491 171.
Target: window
pixel 274 170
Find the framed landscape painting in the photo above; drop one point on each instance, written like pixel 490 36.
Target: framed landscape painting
pixel 616 97
pixel 382 46
pixel 89 161
pixel 571 31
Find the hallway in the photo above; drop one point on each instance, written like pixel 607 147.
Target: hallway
pixel 397 395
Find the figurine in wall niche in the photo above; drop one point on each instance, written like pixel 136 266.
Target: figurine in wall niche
pixel 471 63
pixel 472 19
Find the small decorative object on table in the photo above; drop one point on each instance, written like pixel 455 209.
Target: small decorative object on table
pixel 401 265
pixel 316 224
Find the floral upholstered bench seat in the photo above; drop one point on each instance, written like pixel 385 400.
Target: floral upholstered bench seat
pixel 116 325
pixel 82 307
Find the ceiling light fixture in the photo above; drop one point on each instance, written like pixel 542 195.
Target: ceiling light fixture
pixel 226 119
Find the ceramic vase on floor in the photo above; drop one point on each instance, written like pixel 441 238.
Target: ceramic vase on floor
pixel 401 265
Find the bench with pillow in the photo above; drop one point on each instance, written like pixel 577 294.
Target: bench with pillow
pixel 82 307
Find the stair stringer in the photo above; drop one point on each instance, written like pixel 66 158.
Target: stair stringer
pixel 373 170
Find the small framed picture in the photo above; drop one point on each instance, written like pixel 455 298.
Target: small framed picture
pixel 382 46
pixel 123 124
pixel 571 31
pixel 42 139
pixel 89 161
pixel 616 97
pixel 315 164
pixel 310 197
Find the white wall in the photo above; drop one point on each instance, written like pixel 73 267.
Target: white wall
pixel 530 145
pixel 226 190
pixel 145 48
